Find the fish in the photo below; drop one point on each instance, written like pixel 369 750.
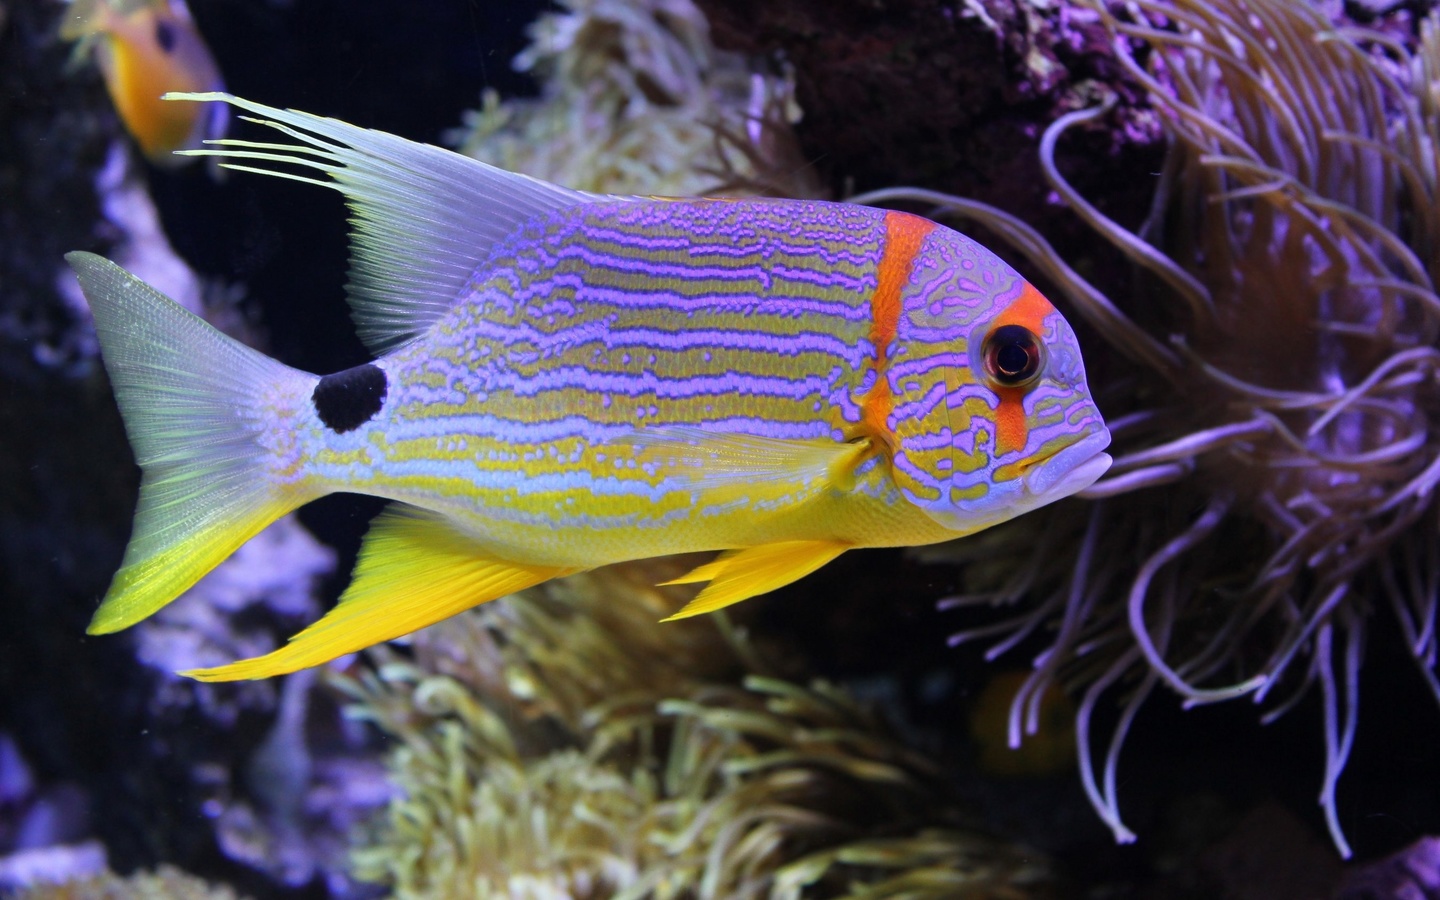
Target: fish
pixel 566 380
pixel 146 48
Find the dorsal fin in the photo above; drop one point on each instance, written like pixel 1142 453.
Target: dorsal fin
pixel 424 217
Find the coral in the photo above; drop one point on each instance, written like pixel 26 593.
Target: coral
pixel 109 736
pixel 41 825
pixel 51 864
pixel 649 760
pixel 290 808
pixel 636 99
pixel 165 883
pixel 52 151
pixel 1275 370
pixel 951 95
pixel 224 617
pixel 1413 872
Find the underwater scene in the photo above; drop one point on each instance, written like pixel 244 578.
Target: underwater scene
pixel 720 449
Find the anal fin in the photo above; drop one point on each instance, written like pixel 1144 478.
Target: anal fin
pixel 737 575
pixel 414 570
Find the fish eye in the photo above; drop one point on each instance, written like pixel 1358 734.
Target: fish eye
pixel 1013 356
pixel 165 36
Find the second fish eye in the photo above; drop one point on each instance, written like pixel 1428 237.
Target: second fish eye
pixel 1013 356
pixel 165 36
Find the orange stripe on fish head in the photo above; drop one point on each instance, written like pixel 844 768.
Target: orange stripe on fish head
pixel 1028 311
pixel 904 236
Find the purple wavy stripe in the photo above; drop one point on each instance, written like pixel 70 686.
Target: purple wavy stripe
pixel 916 473
pixel 921 407
pixel 909 366
pixel 795 344
pixel 635 384
pixel 752 282
pixel 670 295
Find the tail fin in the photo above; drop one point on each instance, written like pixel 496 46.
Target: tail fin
pixel 189 398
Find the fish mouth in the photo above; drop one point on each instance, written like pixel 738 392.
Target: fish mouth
pixel 1072 469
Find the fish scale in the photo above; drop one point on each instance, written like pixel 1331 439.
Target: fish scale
pixel 570 380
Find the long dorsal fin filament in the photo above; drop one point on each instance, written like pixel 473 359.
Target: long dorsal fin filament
pixel 424 218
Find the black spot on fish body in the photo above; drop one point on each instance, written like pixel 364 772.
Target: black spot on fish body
pixel 165 35
pixel 346 400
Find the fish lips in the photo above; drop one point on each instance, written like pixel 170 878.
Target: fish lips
pixel 1071 470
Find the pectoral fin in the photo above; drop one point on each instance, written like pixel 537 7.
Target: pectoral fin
pixel 414 570
pixel 737 575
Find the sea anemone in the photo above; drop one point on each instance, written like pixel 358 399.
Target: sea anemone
pixel 635 99
pixel 164 883
pixel 1274 368
pixel 565 743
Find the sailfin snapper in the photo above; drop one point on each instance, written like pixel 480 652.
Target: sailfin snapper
pixel 567 380
pixel 146 48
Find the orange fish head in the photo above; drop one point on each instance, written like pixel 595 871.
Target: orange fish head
pixel 145 50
